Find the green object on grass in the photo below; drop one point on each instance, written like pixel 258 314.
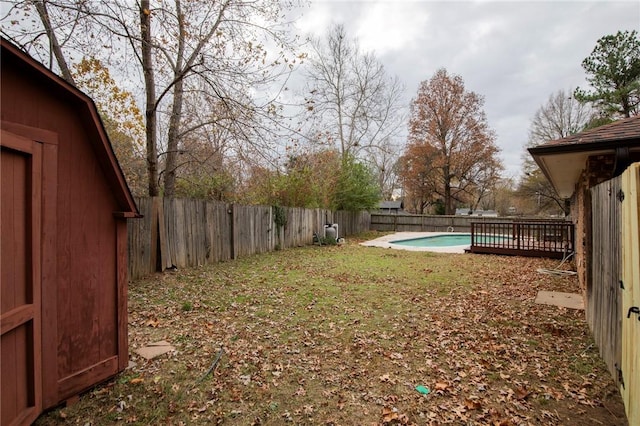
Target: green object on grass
pixel 422 389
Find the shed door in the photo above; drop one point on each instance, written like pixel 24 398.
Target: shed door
pixel 20 308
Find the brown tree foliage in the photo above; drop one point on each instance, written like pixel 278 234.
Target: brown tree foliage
pixel 419 181
pixel 451 152
pixel 122 118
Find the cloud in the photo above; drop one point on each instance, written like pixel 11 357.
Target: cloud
pixel 316 19
pixel 384 27
pixel 513 53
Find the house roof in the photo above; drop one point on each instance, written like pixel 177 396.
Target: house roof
pixel 88 112
pixel 391 205
pixel 563 160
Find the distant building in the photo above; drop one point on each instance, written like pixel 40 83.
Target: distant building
pixel 392 207
pixel 476 213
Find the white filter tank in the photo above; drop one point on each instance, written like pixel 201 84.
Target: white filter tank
pixel 331 231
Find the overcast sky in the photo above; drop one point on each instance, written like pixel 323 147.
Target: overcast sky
pixel 515 54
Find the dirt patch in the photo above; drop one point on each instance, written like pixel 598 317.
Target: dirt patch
pixel 344 335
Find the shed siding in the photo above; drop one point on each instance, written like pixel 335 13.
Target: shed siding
pixel 85 230
pixel 84 305
pixel 87 294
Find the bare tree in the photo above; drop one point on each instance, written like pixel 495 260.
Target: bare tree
pixel 151 127
pixel 561 116
pixel 351 96
pixel 383 161
pixel 235 45
pixel 56 49
pixel 43 38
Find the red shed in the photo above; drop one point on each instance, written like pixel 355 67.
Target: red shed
pixel 64 204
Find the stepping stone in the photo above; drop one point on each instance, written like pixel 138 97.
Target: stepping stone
pixel 557 298
pixel 154 350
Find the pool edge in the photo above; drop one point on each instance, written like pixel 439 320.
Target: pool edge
pixel 385 242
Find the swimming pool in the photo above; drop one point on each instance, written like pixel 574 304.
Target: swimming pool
pixel 445 240
pixel 456 242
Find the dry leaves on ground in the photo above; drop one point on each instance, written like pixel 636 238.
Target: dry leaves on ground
pixel 344 335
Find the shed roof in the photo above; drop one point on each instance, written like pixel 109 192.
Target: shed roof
pixel 13 56
pixel 563 160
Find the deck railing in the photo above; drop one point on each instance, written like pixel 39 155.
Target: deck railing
pixel 553 239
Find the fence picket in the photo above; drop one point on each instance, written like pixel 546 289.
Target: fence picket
pixel 184 232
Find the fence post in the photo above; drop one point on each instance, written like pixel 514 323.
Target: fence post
pixel 473 229
pixel 233 231
pixel 155 226
pixel 166 261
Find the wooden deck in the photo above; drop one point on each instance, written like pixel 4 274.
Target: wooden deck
pixel 554 239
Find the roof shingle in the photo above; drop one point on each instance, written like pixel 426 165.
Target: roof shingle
pixel 628 128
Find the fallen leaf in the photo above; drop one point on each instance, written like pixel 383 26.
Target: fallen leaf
pixel 522 393
pixel 441 386
pixel 472 404
pixel 389 414
pixel 152 323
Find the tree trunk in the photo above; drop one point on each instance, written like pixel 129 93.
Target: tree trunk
pixel 53 41
pixel 151 132
pixel 176 110
pixel 173 144
pixel 448 201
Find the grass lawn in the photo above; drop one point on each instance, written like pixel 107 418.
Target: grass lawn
pixel 342 335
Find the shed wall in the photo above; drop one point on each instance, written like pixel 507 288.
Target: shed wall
pixel 83 283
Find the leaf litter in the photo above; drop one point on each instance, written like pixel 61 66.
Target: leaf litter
pixel 343 335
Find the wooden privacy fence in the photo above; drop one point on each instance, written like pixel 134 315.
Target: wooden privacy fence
pixel 186 232
pixel 604 295
pixel 613 290
pixel 554 239
pixel 630 370
pixel 426 223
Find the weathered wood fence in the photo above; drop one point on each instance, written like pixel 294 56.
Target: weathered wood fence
pixel 426 223
pixel 435 223
pixel 604 295
pixel 613 292
pixel 186 232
